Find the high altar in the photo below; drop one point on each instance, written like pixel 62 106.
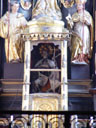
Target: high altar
pixel 58 69
pixel 49 88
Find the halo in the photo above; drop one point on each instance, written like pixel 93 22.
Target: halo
pixel 47 48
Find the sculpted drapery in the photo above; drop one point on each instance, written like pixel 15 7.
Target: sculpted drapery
pixel 83 26
pixel 46 8
pixel 82 43
pixel 11 27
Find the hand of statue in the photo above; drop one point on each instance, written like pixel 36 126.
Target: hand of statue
pixel 17 30
pixel 5 21
pixel 70 21
pixel 23 26
pixel 85 20
pixel 82 19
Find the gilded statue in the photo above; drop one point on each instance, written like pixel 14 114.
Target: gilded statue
pixel 47 17
pixel 46 8
pixel 82 24
pixel 12 25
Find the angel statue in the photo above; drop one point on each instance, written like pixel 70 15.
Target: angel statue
pixel 47 17
pixel 82 24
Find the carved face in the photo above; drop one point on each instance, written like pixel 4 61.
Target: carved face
pixel 80 7
pixel 15 8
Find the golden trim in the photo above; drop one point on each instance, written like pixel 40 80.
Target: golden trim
pixel 16 94
pixel 92 36
pixel 79 95
pixel 39 23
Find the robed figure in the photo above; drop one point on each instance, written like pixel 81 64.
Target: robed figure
pixel 81 45
pixel 12 25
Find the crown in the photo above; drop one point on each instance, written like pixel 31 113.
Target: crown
pixel 81 1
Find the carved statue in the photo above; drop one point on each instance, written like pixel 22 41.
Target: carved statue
pixel 82 24
pixel 11 26
pixel 49 8
pixel 46 8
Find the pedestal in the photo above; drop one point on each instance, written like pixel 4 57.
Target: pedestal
pixel 80 71
pixel 13 71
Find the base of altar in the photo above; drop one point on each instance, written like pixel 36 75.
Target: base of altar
pixel 45 102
